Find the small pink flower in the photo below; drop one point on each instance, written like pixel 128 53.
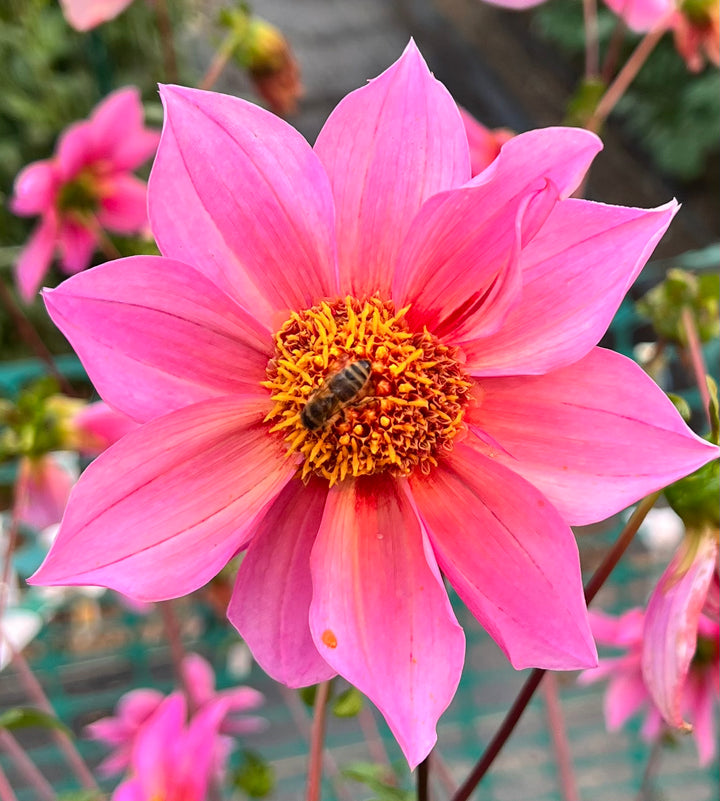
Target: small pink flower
pixel 87 187
pixel 377 369
pixel 628 691
pixel 86 14
pixel 173 760
pixel 642 16
pixel 484 143
pixel 134 710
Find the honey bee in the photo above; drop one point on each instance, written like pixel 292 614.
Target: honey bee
pixel 337 391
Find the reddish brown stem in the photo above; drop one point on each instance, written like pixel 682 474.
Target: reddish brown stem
pixel 423 777
pixel 533 681
pixel 164 25
pixel 613 51
pixel 592 44
pixel 27 767
pixel 556 724
pixel 317 740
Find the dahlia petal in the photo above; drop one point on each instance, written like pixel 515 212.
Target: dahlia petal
pixel 123 207
pixel 136 706
pixel 158 742
pixel 515 564
pixel 163 510
pixel 594 437
pixel 86 14
pixel 159 327
pixel 625 695
pixel 199 676
pixel 620 632
pixel 36 257
pixel 35 188
pixel 594 252
pixel 380 614
pixel 260 223
pixel 75 149
pixel 671 626
pixel 458 265
pixel 387 148
pixel 99 426
pixel 271 600
pixel 76 243
pixel 559 155
pixel 118 132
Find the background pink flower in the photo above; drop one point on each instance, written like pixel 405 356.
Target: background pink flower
pixel 484 143
pixel 86 14
pixel 491 423
pixel 86 188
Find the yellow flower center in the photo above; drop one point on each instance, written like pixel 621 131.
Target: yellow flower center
pixel 357 392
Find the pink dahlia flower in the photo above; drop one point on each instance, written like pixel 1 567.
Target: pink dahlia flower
pixel 367 370
pixel 696 696
pixel 86 188
pixel 137 707
pixel 86 14
pixel 485 144
pixel 173 760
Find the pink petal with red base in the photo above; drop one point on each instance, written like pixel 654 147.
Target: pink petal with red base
pixel 123 205
pixel 387 148
pixel 35 259
pixel 593 437
pixel 161 512
pixel 271 601
pixel 260 223
pixel 510 557
pixel 162 329
pixel 575 273
pixel 35 189
pixel 458 266
pixel 380 614
pixel 671 626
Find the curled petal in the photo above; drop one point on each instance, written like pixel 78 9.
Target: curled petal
pixel 387 148
pixel 260 223
pixel 593 437
pixel 575 273
pixel 162 328
pixel 380 614
pixel 671 625
pixel 163 510
pixel 510 557
pixel 271 601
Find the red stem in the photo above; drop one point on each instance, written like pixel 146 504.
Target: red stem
pixel 27 767
pixel 697 359
pixel 556 724
pixel 317 739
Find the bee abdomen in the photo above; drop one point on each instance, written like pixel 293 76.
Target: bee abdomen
pixel 350 380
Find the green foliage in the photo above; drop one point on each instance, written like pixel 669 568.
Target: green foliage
pixel 673 113
pixel 695 498
pixel 255 777
pixel 348 703
pixel 25 717
pixel 386 785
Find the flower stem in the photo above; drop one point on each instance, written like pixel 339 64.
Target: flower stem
pixel 558 731
pixel 527 691
pixel 37 694
pixel 423 776
pixel 627 75
pixel 317 739
pixel 31 337
pixel 177 651
pixel 26 766
pixel 697 359
pixel 164 25
pixel 6 791
pixel 592 45
pixel 613 51
pixel 219 62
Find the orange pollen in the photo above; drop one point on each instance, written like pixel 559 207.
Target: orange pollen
pixel 357 392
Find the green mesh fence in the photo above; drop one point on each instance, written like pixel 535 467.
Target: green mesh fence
pixel 96 650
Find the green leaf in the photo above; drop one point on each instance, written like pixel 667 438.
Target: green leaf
pixel 23 717
pixel 348 703
pixel 255 777
pixel 381 780
pixel 307 695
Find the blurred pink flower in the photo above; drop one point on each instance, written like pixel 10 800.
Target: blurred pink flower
pixel 135 709
pixel 627 691
pixel 86 14
pixel 642 16
pixel 173 760
pixel 474 306
pixel 87 187
pixel 515 5
pixel 49 478
pixel 484 143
